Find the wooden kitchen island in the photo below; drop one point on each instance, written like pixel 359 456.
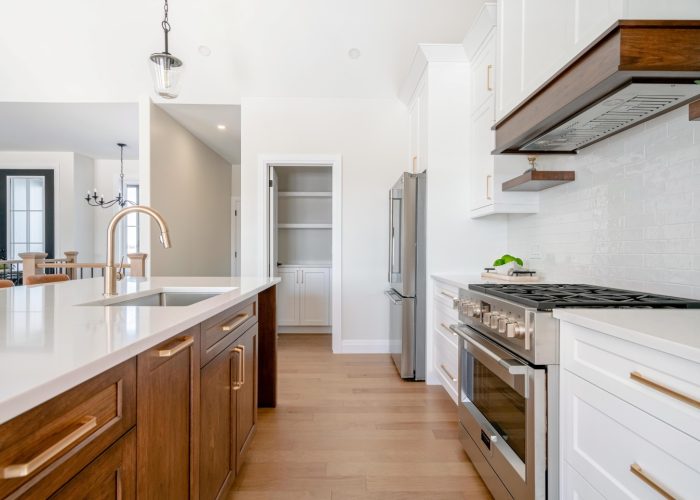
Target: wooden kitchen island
pixel 102 400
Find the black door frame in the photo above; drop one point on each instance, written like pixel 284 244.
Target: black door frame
pixel 48 175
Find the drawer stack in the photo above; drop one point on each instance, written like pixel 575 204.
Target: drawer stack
pixel 445 347
pixel 630 419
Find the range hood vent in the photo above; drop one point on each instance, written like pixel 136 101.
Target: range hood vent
pixel 635 71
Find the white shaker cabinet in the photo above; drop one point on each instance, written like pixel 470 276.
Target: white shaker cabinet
pixel 303 296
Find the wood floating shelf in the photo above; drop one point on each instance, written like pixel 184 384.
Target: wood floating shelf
pixel 538 180
pixel 633 62
pixel 304 226
pixel 305 194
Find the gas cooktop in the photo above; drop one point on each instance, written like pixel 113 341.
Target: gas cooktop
pixel 546 297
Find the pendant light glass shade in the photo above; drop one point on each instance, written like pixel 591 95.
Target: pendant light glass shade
pixel 166 71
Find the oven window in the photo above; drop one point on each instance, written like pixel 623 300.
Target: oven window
pixel 504 408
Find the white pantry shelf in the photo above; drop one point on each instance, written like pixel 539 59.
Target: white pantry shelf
pixel 305 194
pixel 305 226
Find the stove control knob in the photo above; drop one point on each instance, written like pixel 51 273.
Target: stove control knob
pixel 486 318
pixel 495 318
pixel 476 310
pixel 515 330
pixel 503 325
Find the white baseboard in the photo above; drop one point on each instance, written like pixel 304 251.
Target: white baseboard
pixel 304 329
pixel 366 346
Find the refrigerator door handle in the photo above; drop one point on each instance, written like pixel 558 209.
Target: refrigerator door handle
pixel 390 270
pixel 393 297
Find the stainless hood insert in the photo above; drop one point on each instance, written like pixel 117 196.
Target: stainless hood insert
pixel 618 111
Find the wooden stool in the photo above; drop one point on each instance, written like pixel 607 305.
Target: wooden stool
pixel 43 279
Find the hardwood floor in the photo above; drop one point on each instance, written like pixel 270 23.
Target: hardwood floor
pixel 347 427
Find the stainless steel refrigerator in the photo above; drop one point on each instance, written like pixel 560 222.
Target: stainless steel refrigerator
pixel 407 279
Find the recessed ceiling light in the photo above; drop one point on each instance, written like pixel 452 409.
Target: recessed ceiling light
pixel 354 53
pixel 221 127
pixel 204 50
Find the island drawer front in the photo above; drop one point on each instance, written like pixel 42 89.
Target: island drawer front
pixel 44 447
pixel 218 332
pixel 663 385
pixel 622 450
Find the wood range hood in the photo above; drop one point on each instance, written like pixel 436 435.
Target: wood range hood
pixel 633 72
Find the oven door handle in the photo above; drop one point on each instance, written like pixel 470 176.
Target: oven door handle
pixel 513 369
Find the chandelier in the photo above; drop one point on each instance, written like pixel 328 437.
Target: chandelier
pixel 166 69
pixel 95 201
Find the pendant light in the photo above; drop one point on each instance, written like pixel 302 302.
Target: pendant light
pixel 166 69
pixel 99 201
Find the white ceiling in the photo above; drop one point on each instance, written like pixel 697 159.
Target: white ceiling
pixel 90 129
pixel 202 121
pixel 97 51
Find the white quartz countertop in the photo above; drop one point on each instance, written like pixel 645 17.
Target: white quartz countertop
pixel 50 343
pixel 673 331
pixel 458 280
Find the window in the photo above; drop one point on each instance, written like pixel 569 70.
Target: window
pixel 131 226
pixel 25 215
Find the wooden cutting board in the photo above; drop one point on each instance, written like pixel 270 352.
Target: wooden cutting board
pixel 509 279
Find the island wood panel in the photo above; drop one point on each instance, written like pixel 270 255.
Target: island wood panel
pixel 267 348
pixel 111 476
pixel 109 397
pixel 168 376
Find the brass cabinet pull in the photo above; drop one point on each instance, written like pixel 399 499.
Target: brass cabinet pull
pixel 242 364
pixel 238 320
pixel 238 382
pixel 488 178
pixel 655 485
pixel 184 344
pixel 87 424
pixel 447 327
pixel 489 71
pixel 685 398
pixel 449 375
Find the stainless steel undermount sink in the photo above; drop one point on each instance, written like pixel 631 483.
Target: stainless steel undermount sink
pixel 161 298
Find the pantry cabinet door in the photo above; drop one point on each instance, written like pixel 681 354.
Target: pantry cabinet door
pixel 288 296
pixel 315 296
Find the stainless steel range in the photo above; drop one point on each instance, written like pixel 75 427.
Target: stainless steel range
pixel 509 378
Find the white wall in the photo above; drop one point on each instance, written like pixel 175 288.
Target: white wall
pixel 632 217
pixel 107 182
pixel 371 136
pixel 73 223
pixel 84 214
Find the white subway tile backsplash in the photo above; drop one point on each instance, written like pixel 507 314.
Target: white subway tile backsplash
pixel 632 217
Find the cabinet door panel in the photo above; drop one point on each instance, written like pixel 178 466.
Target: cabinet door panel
pixel 315 297
pixel 217 467
pixel 288 297
pixel 247 395
pixel 482 161
pixel 509 62
pixel 111 476
pixel 483 74
pixel 167 376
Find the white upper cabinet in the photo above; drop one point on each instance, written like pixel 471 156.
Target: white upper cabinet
pixel 536 38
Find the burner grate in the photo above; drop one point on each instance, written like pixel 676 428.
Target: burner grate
pixel 547 297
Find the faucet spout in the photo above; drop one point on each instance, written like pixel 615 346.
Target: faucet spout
pixel 110 270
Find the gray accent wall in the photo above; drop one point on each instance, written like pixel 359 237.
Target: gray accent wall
pixel 191 188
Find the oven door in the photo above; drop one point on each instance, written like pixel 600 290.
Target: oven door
pixel 503 408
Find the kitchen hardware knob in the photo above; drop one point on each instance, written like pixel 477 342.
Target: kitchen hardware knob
pixel 486 318
pixel 515 330
pixel 476 312
pixel 502 325
pixel 495 318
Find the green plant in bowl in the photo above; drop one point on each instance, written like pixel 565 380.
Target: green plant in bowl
pixel 506 259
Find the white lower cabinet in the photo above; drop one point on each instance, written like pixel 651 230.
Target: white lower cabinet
pixel 304 296
pixel 619 438
pixel 444 341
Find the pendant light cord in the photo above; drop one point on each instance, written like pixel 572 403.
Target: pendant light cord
pixel 165 25
pixel 122 194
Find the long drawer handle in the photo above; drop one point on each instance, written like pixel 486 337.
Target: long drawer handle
pixel 653 483
pixel 237 383
pixel 242 364
pixel 87 424
pixel 447 327
pixel 638 377
pixel 184 344
pixel 238 320
pixel 453 299
pixel 447 372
